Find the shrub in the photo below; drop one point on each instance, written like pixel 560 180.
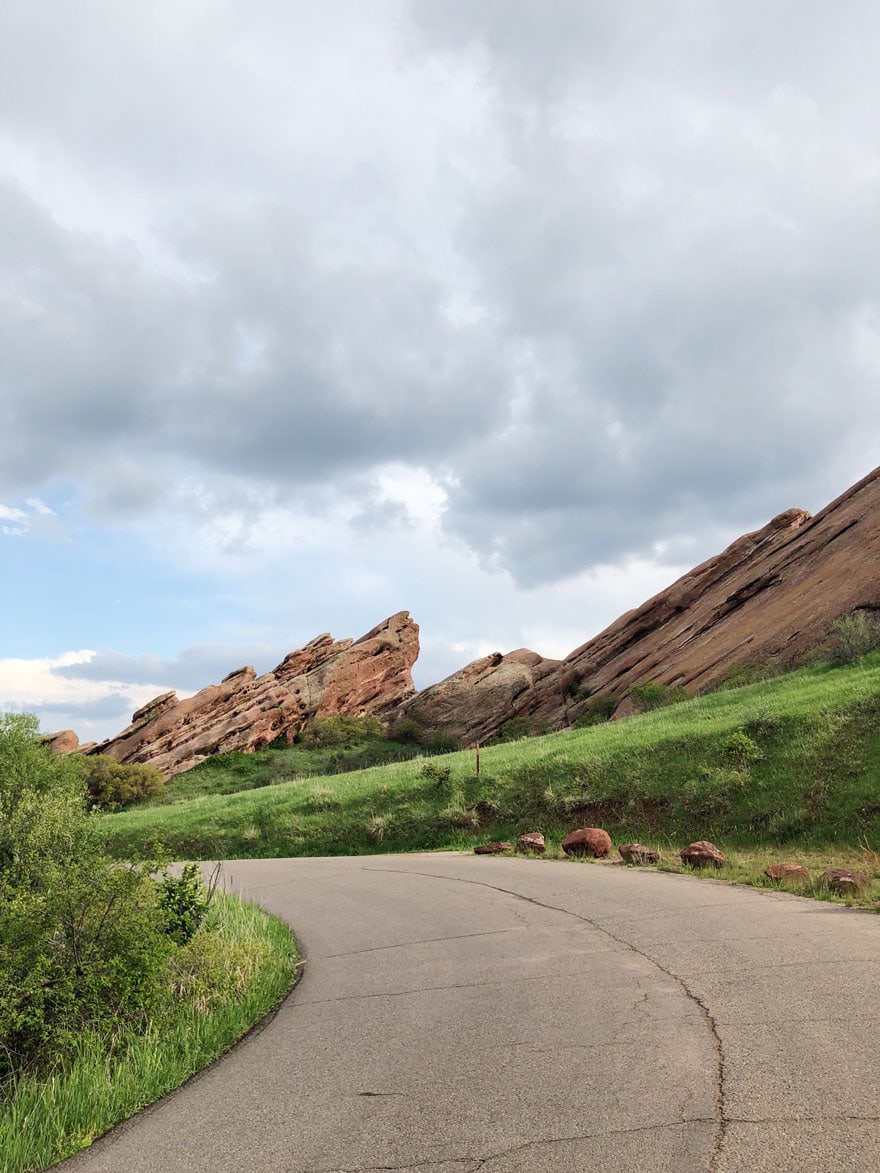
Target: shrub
pixel 437 774
pixel 651 695
pixel 599 708
pixel 183 901
pixel 110 784
pixel 407 732
pixel 340 729
pixel 853 636
pixel 81 940
pixel 741 750
pixel 443 743
pixel 514 728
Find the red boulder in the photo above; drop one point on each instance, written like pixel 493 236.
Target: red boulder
pixel 702 854
pixel 531 841
pixel 637 853
pixel 587 841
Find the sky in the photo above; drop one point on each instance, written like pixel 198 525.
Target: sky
pixel 504 313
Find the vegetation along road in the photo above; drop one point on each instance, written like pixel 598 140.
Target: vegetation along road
pixel 459 1013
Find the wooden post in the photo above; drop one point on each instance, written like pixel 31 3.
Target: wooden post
pixel 477 748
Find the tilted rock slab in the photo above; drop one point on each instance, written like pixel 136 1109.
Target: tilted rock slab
pixel 246 712
pixel 772 593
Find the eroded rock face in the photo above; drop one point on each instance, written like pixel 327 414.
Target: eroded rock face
pixel 771 593
pixel 473 703
pixel 638 854
pixel 587 841
pixel 246 712
pixel 702 854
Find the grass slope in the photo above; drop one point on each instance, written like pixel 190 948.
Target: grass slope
pixel 795 759
pixel 228 978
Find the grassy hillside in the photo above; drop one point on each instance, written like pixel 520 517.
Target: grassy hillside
pixel 793 759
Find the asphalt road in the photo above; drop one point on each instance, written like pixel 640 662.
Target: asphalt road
pixel 461 1013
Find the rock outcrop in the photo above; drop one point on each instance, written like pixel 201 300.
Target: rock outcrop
pixel 771 594
pixel 473 703
pixel 245 711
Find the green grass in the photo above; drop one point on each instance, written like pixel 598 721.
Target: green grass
pixel 791 760
pixel 231 773
pixel 227 978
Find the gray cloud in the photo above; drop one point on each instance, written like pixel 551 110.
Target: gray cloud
pixel 113 706
pixel 192 669
pixel 609 272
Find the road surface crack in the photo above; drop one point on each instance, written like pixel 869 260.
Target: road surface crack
pixel 720 1120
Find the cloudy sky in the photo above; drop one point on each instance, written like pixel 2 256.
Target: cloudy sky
pixel 502 312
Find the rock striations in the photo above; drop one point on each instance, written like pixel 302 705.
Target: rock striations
pixel 246 712
pixel 772 593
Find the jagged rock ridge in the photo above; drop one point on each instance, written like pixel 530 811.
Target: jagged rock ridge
pixel 772 593
pixel 246 712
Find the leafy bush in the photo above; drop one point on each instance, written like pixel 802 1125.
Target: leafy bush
pixel 741 750
pixel 652 695
pixel 598 709
pixel 437 774
pixel 341 729
pixel 81 940
pixel 183 901
pixel 853 636
pixel 407 732
pixel 111 785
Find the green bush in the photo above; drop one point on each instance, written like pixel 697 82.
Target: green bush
pixel 341 729
pixel 81 940
pixel 183 901
pixel 598 709
pixel 651 695
pixel 111 785
pixel 407 732
pixel 853 636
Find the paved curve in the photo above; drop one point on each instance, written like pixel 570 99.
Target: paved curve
pixel 460 1014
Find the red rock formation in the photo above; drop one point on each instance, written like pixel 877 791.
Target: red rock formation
pixel 473 703
pixel 64 742
pixel 246 712
pixel 772 593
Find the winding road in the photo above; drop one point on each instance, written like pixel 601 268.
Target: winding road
pixel 459 1013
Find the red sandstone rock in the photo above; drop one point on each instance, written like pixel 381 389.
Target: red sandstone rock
pixel 531 841
pixel 702 854
pixel 843 880
pixel 473 703
pixel 787 871
pixel 491 848
pixel 246 712
pixel 587 841
pixel 64 742
pixel 772 593
pixel 637 853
